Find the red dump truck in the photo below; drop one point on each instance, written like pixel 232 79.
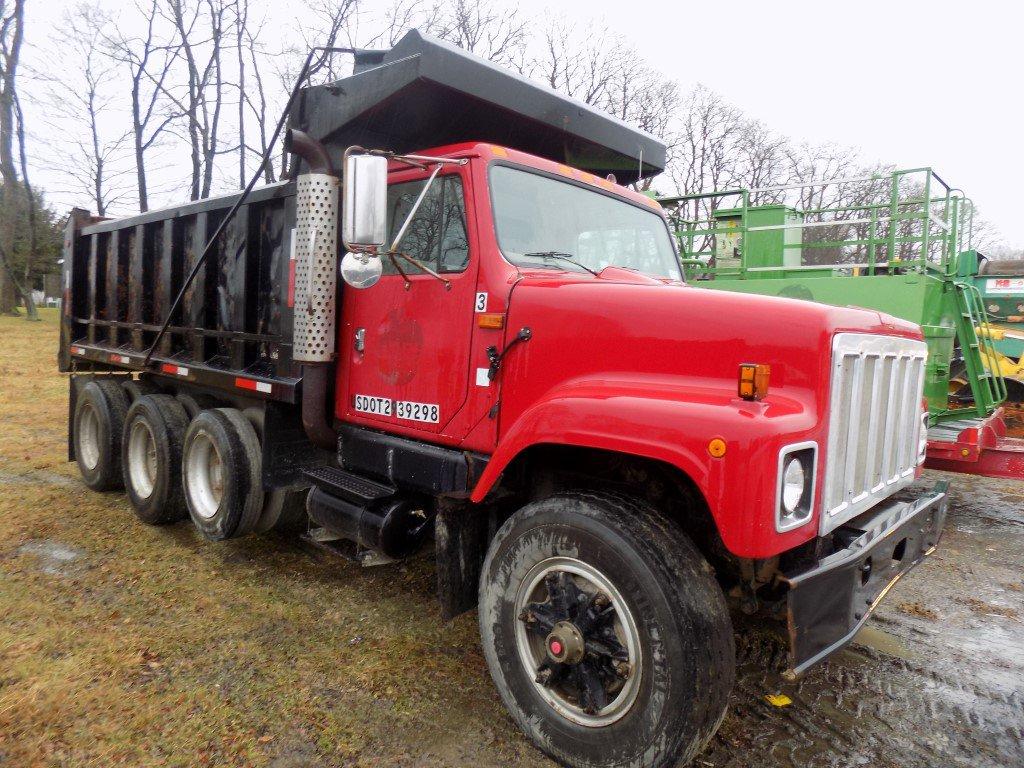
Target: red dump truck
pixel 512 371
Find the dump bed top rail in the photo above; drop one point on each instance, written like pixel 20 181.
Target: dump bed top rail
pixel 427 93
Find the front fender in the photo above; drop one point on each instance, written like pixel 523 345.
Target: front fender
pixel 672 421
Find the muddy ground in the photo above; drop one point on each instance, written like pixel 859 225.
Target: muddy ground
pixel 122 644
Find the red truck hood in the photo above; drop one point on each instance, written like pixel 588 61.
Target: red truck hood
pixel 628 324
pixel 682 303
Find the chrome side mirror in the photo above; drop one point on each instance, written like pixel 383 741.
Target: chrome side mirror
pixel 364 202
pixel 361 270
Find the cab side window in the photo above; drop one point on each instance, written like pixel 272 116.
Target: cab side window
pixel 436 236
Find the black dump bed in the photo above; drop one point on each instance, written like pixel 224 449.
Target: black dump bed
pixel 234 325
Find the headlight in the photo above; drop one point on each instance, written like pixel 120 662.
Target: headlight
pixel 794 502
pixel 793 480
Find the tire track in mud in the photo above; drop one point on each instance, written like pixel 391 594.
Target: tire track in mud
pixel 39 477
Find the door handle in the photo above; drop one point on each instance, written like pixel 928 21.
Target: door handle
pixel 360 339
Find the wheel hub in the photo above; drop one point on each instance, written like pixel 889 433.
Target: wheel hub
pixel 578 641
pixel 565 643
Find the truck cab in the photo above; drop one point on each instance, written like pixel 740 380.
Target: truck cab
pixel 485 342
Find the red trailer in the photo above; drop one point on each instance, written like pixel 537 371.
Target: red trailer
pixel 603 458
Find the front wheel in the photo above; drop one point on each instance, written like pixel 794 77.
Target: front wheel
pixel 605 632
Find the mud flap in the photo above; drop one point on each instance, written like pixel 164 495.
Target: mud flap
pixel 461 535
pixel 828 603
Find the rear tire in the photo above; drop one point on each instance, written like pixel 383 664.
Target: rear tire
pixel 618 593
pixel 154 433
pixel 136 388
pixel 283 511
pixel 195 404
pixel 100 409
pixel 221 474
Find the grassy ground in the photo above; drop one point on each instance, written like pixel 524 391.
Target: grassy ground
pixel 128 645
pixel 122 644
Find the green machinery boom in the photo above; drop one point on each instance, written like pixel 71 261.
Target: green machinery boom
pixel 898 243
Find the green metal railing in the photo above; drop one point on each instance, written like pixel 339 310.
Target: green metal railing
pixel 908 224
pixel 919 223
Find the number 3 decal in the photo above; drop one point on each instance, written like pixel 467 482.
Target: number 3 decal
pixel 481 302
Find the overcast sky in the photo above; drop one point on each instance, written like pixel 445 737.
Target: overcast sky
pixel 936 83
pixel 911 84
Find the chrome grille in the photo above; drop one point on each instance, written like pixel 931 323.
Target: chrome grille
pixel 874 423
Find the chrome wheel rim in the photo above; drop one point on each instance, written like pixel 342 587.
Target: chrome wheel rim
pixel 204 473
pixel 578 641
pixel 88 434
pixel 142 459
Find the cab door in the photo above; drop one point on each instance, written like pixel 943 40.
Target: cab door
pixel 404 343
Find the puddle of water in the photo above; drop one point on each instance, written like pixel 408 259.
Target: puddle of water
pixel 54 557
pixel 880 640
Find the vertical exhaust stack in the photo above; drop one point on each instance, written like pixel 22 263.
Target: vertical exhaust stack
pixel 316 269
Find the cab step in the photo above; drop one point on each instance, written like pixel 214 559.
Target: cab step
pixel 354 488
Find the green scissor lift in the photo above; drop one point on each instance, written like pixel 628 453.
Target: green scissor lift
pixel 899 244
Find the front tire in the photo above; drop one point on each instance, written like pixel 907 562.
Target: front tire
pixel 605 632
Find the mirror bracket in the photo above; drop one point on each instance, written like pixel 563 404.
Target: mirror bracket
pixel 373 250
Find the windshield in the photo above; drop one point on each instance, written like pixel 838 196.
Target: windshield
pixel 545 222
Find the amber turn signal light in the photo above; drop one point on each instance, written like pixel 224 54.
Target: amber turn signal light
pixel 717 447
pixel 754 381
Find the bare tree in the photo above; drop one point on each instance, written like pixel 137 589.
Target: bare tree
pixel 761 161
pixel 325 24
pixel 255 98
pixel 241 27
pixel 485 29
pixel 148 62
pixel 80 100
pixel 704 158
pixel 200 29
pixel 578 64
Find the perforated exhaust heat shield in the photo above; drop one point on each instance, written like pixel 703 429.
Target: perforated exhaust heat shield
pixel 316 267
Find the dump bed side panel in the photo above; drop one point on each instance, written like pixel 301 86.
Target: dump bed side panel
pixel 233 326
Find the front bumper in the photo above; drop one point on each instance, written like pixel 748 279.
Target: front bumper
pixel 829 602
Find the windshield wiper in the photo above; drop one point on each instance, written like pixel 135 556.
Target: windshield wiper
pixel 563 256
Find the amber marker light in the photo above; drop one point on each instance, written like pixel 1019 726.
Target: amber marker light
pixel 754 381
pixel 717 448
pixel 494 320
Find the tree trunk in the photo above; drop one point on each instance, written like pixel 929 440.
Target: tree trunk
pixel 30 198
pixel 8 280
pixel 6 295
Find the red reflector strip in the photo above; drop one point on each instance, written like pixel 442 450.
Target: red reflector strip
pixel 77 351
pixel 123 359
pixel 255 386
pixel 176 370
